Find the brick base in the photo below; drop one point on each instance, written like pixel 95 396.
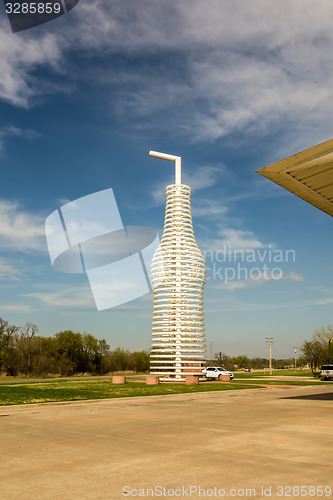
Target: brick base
pixel 191 380
pixel 119 379
pixel 152 380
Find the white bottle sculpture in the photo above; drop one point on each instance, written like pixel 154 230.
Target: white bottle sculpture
pixel 178 275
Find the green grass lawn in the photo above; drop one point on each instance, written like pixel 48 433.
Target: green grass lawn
pixel 278 373
pixel 279 382
pixel 17 392
pixel 71 390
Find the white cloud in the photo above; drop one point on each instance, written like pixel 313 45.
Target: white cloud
pixel 233 240
pixel 246 86
pixel 18 308
pixel 241 240
pixel 196 178
pixel 324 302
pixel 9 272
pixel 12 131
pixel 258 279
pixel 72 297
pixel 232 286
pixel 243 306
pixel 203 177
pixel 208 208
pixel 233 302
pixel 294 277
pixel 20 54
pixel 241 66
pixel 20 230
pixel 228 66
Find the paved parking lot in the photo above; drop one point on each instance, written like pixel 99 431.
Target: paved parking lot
pixel 237 442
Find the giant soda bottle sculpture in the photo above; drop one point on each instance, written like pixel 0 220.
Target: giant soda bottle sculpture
pixel 178 275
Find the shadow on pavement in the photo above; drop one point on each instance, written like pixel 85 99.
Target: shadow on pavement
pixel 326 396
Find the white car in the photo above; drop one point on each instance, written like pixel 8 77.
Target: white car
pixel 216 372
pixel 326 372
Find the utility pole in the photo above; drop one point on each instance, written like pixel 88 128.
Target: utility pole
pixel 295 349
pixel 270 341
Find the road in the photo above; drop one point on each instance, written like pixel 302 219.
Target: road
pixel 235 441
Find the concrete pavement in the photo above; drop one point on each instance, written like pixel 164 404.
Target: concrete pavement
pixel 237 442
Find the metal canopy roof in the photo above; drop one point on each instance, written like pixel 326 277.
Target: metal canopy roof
pixel 308 174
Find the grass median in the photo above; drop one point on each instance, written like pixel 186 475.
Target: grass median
pixel 69 390
pixel 264 382
pixel 275 373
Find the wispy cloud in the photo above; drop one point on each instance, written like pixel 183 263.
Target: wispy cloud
pixel 198 178
pixel 74 297
pixel 324 302
pixel 242 240
pixel 294 277
pixel 224 67
pixel 259 279
pixel 229 67
pixel 202 177
pixel 12 131
pixel 244 306
pixel 18 308
pixel 233 239
pixel 232 303
pixel 19 56
pixel 9 272
pixel 20 230
pixel 208 207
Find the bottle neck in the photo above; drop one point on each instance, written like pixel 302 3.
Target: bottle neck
pixel 183 189
pixel 178 215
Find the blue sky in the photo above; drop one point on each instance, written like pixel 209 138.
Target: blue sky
pixel 229 86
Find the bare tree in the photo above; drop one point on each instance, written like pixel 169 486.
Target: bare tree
pixel 28 345
pixel 6 332
pixel 315 351
pixel 29 330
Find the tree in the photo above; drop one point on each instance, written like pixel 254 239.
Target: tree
pixel 8 335
pixel 242 361
pixel 221 359
pixel 70 352
pixel 315 351
pixel 28 347
pixel 326 334
pixel 23 351
pixel 140 361
pixel 91 352
pixel 94 351
pixel 120 360
pixel 103 347
pixel 280 364
pixel 6 332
